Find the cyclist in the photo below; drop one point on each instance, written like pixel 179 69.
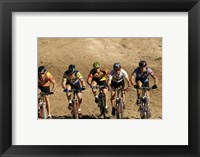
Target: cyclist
pixel 140 78
pixel 45 79
pixel 115 80
pixel 73 79
pixel 98 76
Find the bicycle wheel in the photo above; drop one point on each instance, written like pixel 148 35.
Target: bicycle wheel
pixel 147 110
pixel 75 111
pixel 142 111
pixel 121 110
pixel 102 106
pixel 119 107
pixel 44 111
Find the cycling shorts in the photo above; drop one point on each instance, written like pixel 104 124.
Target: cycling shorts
pixel 74 86
pixel 115 85
pixel 100 83
pixel 45 89
pixel 144 84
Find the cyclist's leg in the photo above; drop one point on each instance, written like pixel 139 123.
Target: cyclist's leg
pixel 79 96
pixel 48 106
pixel 122 85
pixel 139 92
pixel 69 99
pixel 94 91
pixel 112 99
pixel 39 91
pixel 105 92
pixel 146 84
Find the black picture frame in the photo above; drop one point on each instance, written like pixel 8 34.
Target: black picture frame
pixel 9 6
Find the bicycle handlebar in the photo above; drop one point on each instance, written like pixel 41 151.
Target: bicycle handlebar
pixel 98 87
pixel 145 88
pixel 43 93
pixel 73 90
pixel 120 89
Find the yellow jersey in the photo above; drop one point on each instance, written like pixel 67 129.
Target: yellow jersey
pixel 71 78
pixel 46 80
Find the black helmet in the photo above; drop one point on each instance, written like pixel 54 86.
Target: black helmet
pixel 142 64
pixel 41 69
pixel 117 66
pixel 71 68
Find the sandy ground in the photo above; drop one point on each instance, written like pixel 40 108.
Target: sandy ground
pixel 57 53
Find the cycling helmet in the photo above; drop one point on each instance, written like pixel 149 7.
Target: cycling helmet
pixel 41 69
pixel 117 66
pixel 96 65
pixel 142 64
pixel 71 68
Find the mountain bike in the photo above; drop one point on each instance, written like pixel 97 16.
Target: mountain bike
pixel 101 100
pixel 75 103
pixel 119 103
pixel 144 109
pixel 42 110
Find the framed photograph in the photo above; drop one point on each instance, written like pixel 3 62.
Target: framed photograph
pixel 107 78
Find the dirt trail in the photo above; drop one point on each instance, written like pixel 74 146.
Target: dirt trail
pixel 57 53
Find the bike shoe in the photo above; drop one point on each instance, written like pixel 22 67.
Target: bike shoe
pixel 80 114
pixel 96 99
pixel 113 111
pixel 70 106
pixel 49 117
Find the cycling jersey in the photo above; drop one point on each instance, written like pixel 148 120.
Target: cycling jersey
pixel 72 78
pixel 101 76
pixel 46 81
pixel 143 77
pixel 118 78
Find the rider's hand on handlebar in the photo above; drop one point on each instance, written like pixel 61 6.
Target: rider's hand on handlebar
pixel 83 88
pixel 52 92
pixel 136 86
pixel 65 90
pixel 154 86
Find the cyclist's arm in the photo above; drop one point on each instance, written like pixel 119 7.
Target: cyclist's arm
pixel 64 81
pixel 155 79
pixel 109 81
pixel 53 81
pixel 153 76
pixel 133 79
pixel 126 77
pixel 128 81
pixel 82 82
pixel 89 79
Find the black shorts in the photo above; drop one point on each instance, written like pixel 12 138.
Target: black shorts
pixel 144 84
pixel 46 89
pixel 74 86
pixel 101 83
pixel 115 85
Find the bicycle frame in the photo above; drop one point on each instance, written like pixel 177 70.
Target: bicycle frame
pixel 101 97
pixel 144 107
pixel 42 106
pixel 119 103
pixel 75 103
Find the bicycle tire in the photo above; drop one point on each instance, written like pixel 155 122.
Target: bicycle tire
pixel 142 112
pixel 75 108
pixel 121 109
pixel 119 106
pixel 102 106
pixel 44 112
